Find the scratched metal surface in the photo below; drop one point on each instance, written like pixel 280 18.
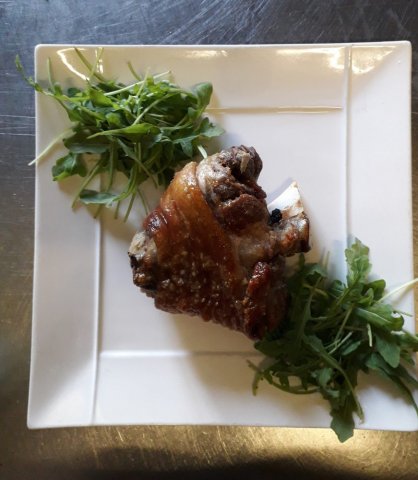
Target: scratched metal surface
pixel 165 452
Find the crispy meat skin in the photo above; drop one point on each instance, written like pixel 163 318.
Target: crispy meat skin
pixel 209 249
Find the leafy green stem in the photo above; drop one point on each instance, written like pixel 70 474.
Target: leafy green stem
pixel 93 71
pixel 132 85
pixel 51 145
pixel 404 286
pixel 93 172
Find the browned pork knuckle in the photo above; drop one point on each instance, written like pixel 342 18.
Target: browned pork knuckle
pixel 211 249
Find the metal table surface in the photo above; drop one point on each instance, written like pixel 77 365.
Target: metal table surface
pixel 166 452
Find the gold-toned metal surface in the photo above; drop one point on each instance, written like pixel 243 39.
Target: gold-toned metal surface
pixel 167 452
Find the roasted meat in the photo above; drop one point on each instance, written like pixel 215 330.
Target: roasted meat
pixel 212 249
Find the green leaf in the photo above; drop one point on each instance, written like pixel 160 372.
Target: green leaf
pixel 127 149
pixel 351 347
pixel 133 131
pixel 187 146
pixel 388 347
pixel 316 343
pixel 367 298
pixel 268 347
pixel 80 143
pixel 99 198
pixel 336 288
pixel 309 273
pixel 67 166
pixel 209 130
pixel 378 364
pixel 409 341
pixel 404 374
pixel 203 91
pixel 357 257
pixel 115 120
pixel 193 114
pixel 323 376
pixel 98 99
pixel 343 424
pixel 75 115
pixel 378 287
pixel 73 92
pixel 381 315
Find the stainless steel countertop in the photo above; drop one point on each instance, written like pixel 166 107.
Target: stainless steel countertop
pixel 166 452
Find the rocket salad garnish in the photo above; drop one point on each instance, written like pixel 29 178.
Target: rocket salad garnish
pixel 334 331
pixel 144 130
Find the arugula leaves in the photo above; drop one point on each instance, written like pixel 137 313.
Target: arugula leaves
pixel 144 130
pixel 334 331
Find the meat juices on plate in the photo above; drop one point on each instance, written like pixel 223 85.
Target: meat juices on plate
pixel 212 249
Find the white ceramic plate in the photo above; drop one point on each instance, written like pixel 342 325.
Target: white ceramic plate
pixel 336 118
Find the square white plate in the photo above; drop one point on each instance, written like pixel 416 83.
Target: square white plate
pixel 336 118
